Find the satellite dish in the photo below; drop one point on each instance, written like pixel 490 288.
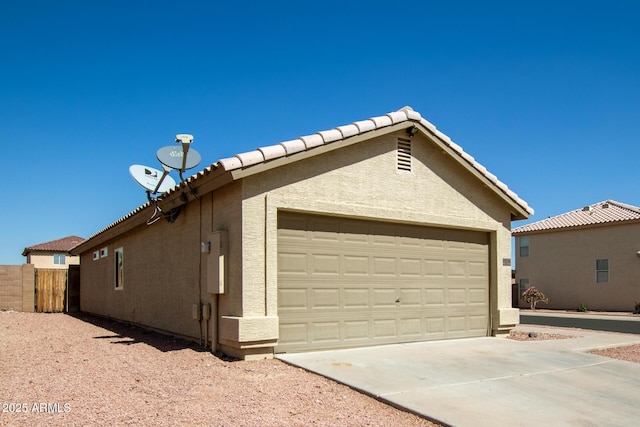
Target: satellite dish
pixel 174 157
pixel 152 179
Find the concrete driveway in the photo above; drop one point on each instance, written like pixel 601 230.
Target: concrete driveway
pixel 494 381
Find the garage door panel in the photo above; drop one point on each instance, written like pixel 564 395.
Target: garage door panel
pixel 410 267
pixel 383 266
pixel 356 330
pixel 411 327
pixel 356 298
pixel 345 283
pixel 322 299
pixel 411 298
pixel 478 296
pixel 325 264
pixel 434 297
pixel 292 264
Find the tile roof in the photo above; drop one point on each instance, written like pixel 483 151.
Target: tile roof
pixel 60 245
pixel 304 143
pixel 607 212
pixel 284 149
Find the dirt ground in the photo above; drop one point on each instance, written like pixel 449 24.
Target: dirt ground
pixel 56 369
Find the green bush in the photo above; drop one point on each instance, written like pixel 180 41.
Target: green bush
pixel 582 307
pixel 637 309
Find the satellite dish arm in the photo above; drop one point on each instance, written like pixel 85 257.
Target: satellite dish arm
pixel 186 140
pixel 164 174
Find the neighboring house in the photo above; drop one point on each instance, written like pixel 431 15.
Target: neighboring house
pixel 588 256
pixel 381 231
pixel 54 254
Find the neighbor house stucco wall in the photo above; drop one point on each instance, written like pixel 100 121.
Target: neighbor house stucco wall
pixel 363 180
pixel 562 265
pixel 45 260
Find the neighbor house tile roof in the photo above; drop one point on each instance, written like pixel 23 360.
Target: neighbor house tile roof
pixel 60 245
pixel 607 212
pixel 306 143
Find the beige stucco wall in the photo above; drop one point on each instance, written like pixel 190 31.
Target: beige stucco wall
pixel 165 272
pixel 45 260
pixel 362 180
pixel 562 265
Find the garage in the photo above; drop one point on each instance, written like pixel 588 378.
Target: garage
pixel 380 231
pixel 346 282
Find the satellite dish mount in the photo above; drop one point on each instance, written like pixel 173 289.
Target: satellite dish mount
pixel 157 182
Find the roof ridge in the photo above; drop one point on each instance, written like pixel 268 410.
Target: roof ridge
pixel 635 209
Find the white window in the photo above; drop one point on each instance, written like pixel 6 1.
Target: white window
pixel 602 271
pixel 524 246
pixel 104 252
pixel 96 255
pixel 59 259
pixel 119 268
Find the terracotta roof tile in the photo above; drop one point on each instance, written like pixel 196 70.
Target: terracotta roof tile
pixel 605 212
pixel 306 143
pixel 60 245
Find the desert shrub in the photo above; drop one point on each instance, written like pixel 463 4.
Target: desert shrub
pixel 533 296
pixel 582 307
pixel 637 308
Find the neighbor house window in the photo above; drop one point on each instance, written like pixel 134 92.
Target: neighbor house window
pixel 119 268
pixel 602 271
pixel 59 259
pixel 524 246
pixel 524 285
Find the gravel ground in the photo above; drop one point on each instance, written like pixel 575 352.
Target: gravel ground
pixel 56 369
pixel 630 353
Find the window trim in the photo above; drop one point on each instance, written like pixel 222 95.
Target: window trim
pixel 118 271
pixel 59 257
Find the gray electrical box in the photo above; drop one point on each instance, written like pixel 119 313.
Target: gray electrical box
pixel 217 261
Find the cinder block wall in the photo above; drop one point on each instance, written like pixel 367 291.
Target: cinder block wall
pixel 17 283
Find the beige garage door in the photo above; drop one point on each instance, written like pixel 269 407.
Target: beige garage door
pixel 349 283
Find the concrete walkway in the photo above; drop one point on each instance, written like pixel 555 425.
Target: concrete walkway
pixel 494 381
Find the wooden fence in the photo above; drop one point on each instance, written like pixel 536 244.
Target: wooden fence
pixel 51 289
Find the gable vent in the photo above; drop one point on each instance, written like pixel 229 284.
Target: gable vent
pixel 404 154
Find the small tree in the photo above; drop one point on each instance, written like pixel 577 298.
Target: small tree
pixel 534 296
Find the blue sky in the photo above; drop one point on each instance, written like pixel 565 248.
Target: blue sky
pixel 545 94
